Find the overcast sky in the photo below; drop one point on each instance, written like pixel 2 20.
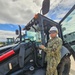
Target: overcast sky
pixel 22 11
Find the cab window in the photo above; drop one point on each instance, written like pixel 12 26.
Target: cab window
pixel 68 28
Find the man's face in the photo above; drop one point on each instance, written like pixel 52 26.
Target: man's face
pixel 53 34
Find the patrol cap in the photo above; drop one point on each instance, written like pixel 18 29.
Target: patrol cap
pixel 53 29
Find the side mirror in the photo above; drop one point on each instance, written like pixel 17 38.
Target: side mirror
pixel 17 32
pixel 45 6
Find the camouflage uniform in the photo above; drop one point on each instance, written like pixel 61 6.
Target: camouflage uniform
pixel 53 55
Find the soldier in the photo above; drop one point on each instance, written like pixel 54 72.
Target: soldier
pixel 52 51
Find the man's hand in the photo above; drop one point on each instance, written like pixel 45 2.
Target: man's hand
pixel 42 46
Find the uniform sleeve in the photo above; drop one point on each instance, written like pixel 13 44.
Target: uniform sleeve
pixel 47 49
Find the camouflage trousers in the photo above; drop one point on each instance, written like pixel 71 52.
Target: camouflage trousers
pixel 52 67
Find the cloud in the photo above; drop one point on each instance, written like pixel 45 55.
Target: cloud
pixel 22 11
pixel 3 36
pixel 59 8
pixel 18 11
pixel 38 2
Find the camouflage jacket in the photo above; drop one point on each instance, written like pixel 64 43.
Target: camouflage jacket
pixel 53 49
